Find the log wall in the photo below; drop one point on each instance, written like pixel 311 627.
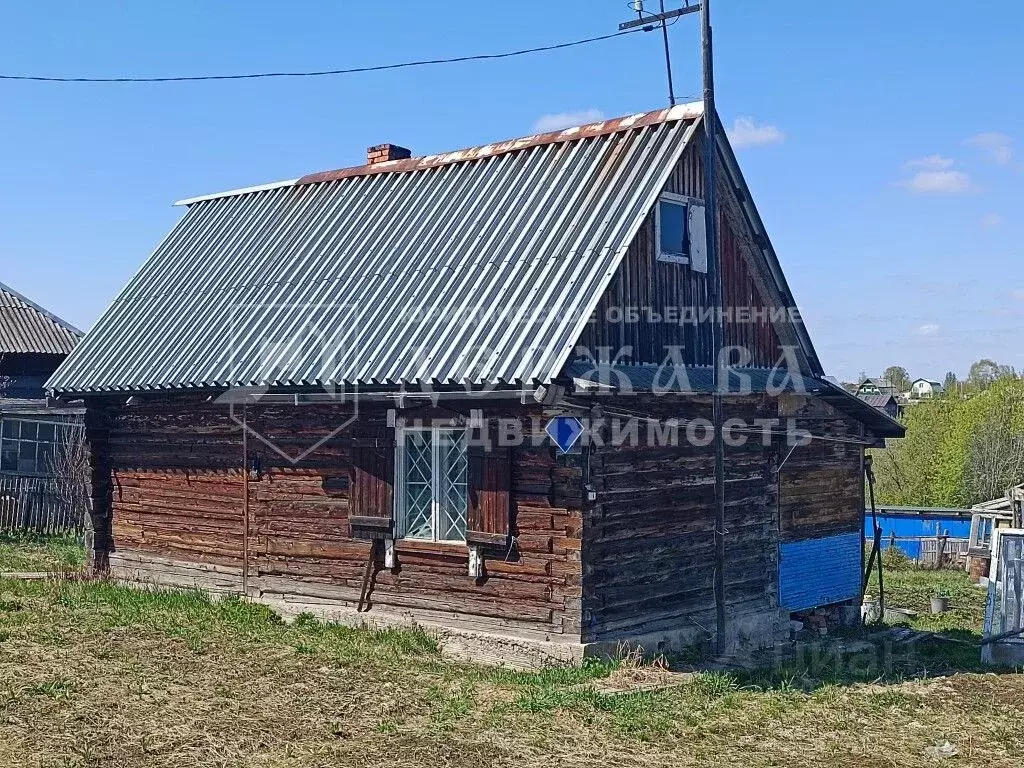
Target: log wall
pixel 648 542
pixel 821 485
pixel 179 508
pixel 658 292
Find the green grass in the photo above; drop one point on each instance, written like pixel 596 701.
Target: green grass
pixel 913 587
pixel 22 551
pixel 95 674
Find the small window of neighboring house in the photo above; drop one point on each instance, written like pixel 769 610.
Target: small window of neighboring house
pixel 431 494
pixel 27 446
pixel 680 231
pixel 984 532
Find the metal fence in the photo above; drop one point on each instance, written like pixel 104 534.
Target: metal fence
pixel 39 505
pixel 929 551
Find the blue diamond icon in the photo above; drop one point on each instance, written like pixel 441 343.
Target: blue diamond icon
pixel 564 431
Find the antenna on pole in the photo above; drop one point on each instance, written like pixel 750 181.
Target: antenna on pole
pixel 650 20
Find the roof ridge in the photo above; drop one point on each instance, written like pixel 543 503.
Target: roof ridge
pixel 688 111
pixel 41 310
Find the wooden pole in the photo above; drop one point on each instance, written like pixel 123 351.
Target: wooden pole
pixel 718 326
pixel 245 503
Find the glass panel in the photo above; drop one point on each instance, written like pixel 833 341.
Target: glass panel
pixel 10 428
pixel 452 496
pixel 418 502
pixel 46 432
pixel 9 455
pixel 44 458
pixel 28 430
pixel 26 457
pixel 673 228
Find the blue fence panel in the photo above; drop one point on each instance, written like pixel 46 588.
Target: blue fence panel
pixel 819 571
pixel 916 528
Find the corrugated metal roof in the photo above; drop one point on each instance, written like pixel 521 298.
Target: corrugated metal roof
pixel 878 401
pixel 25 327
pixel 475 267
pixel 698 379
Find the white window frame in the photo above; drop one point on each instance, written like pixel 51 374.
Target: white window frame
pixel 401 517
pixel 683 200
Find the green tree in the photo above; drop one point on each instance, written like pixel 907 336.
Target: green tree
pixel 949 383
pixel 982 373
pixel 897 376
pixel 958 451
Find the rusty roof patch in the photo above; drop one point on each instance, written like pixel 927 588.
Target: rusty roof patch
pixel 602 128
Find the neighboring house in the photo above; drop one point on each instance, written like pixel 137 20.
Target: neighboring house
pixel 886 402
pixel 876 387
pixel 33 342
pixel 1006 512
pixel 922 389
pixel 339 394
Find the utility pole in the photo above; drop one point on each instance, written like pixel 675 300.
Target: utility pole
pixel 719 380
pixel 718 326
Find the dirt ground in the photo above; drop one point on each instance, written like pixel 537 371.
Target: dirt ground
pixel 94 674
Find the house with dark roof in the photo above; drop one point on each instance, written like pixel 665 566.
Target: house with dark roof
pixel 876 387
pixel 924 389
pixel 473 391
pixel 33 342
pixel 887 402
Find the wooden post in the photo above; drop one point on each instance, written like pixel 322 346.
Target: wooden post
pixel 245 502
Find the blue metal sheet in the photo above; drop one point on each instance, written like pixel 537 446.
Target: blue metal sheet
pixel 820 571
pixel 909 530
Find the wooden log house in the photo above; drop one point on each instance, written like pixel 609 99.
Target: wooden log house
pixel 342 394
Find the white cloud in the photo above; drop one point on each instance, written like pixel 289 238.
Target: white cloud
pixel 929 163
pixel 746 133
pixel 563 120
pixel 998 146
pixel 990 220
pixel 928 329
pixel 939 183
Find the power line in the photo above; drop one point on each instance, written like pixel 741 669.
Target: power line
pixel 325 72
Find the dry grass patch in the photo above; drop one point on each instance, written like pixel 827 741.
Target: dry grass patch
pixel 93 674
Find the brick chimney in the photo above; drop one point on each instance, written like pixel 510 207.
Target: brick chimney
pixel 382 153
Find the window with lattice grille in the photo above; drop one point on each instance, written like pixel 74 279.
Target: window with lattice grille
pixel 431 489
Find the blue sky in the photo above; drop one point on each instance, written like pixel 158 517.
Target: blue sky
pixel 884 143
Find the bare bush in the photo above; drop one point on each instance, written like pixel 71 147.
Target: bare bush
pixel 996 458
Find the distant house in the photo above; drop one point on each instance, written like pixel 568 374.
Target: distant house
pixel 887 402
pixel 922 389
pixel 876 387
pixel 33 342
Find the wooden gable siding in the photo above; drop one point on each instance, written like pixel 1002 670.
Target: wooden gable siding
pixel 648 542
pixel 178 504
pixel 655 289
pixel 821 485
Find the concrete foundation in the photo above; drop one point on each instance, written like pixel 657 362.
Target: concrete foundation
pixel 460 637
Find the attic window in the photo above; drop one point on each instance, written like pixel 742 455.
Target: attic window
pixel 680 232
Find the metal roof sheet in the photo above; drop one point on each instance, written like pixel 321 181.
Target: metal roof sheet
pixel 478 267
pixel 697 379
pixel 878 401
pixel 27 328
